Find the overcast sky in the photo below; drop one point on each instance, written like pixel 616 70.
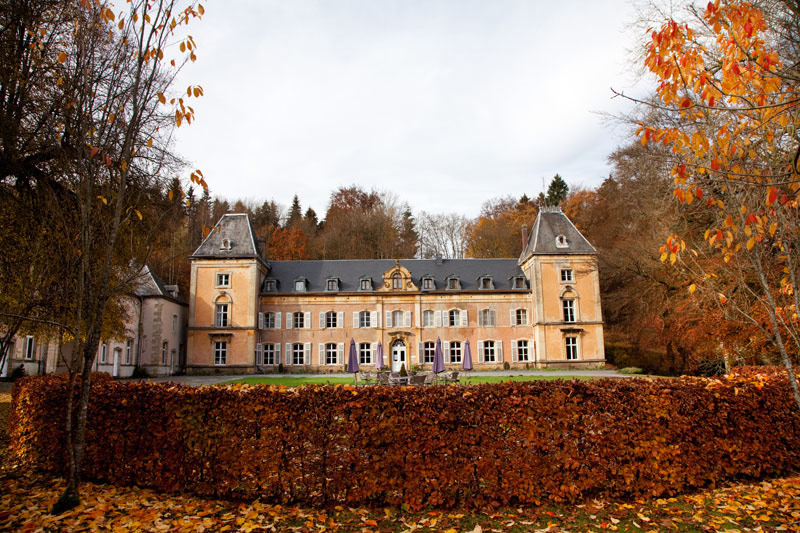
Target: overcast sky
pixel 443 103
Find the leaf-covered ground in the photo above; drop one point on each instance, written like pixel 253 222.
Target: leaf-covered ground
pixel 25 500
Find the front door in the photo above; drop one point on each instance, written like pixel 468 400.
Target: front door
pixel 398 355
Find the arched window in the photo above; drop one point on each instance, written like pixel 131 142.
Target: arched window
pixel 397 280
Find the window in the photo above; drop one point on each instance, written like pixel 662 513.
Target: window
pixel 521 316
pixel 366 284
pixel 128 347
pixel 174 323
pixel 452 283
pixel 104 353
pixel 330 319
pixel 428 351
pixel 522 350
pixel 222 315
pixel 486 317
pixel 427 283
pixel 488 352
pixel 561 242
pixel 519 282
pixel 164 353
pixel 220 352
pixel 364 319
pixel 453 317
pixel 364 353
pixel 571 344
pixel 298 321
pixel 298 353
pixel 330 354
pixel 300 285
pixel 223 280
pixel 269 285
pixel 566 274
pixel 28 348
pixel 485 282
pixel 332 285
pixel 269 354
pixel 427 319
pixel 269 320
pixel 455 351
pixel 397 280
pixel 397 319
pixel 568 307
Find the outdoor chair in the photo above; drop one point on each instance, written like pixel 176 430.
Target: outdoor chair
pixel 382 378
pixel 368 378
pixel 452 377
pixel 430 378
pixel 417 379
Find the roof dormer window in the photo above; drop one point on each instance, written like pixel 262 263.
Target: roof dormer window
pixel 365 284
pixel 561 241
pixel 428 284
pixel 269 285
pixel 518 282
pixel 453 283
pixel 300 285
pixel 485 282
pixel 226 245
pixel 397 280
pixel 332 284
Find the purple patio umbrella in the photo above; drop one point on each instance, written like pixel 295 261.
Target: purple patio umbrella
pixel 466 364
pixel 379 362
pixel 352 358
pixel 438 357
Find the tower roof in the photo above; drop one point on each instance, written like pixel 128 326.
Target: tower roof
pixel 555 234
pixel 232 237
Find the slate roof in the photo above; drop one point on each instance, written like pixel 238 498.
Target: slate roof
pixel 236 229
pixel 351 271
pixel 550 224
pixel 150 284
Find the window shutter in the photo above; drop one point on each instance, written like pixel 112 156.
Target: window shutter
pixel 339 353
pixel 464 318
pixel 480 351
pixel 514 355
pixel 307 353
pixel 277 358
pixel 259 354
pixel 419 353
pixel 531 352
pixel 260 320
pixel 388 319
pixel 513 317
pixel 277 320
pixel 373 349
pixel 355 319
pixel 288 353
pixel 480 317
pixel 373 319
pixel 321 353
pixel 438 319
pixel 340 319
pixel 307 321
pixel 492 318
pixel 446 350
pixel 322 321
pixel 289 321
pixel 408 319
pixel 499 351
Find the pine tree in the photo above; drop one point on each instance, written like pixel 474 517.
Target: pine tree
pixel 557 191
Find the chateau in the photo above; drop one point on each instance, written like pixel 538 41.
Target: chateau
pixel 248 314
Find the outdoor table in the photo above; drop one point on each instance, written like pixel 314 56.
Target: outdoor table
pixel 399 380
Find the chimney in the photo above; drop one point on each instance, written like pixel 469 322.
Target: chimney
pixel 524 236
pixel 438 259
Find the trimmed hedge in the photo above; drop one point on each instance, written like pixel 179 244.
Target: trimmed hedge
pixel 440 446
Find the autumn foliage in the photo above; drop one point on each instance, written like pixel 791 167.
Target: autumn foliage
pixel 437 446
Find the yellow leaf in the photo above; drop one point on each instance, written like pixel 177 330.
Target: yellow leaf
pixel 161 98
pixel 672 258
pixel 62 57
pixel 121 24
pixel 664 257
pixel 750 243
pixel 773 228
pixel 692 288
pixel 200 9
pixel 138 214
pixel 60 80
pixel 150 142
pixel 123 165
pixel 170 195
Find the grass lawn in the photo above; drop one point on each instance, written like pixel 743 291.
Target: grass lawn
pixel 341 380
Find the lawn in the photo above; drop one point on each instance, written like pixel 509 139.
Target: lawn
pixel 348 380
pixel 26 498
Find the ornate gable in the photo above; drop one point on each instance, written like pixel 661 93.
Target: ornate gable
pixel 397 279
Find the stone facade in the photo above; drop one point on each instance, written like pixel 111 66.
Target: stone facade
pixel 249 315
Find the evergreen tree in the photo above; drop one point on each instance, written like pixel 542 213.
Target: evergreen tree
pixel 557 191
pixel 295 213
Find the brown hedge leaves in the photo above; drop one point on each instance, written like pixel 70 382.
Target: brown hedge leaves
pixel 438 446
